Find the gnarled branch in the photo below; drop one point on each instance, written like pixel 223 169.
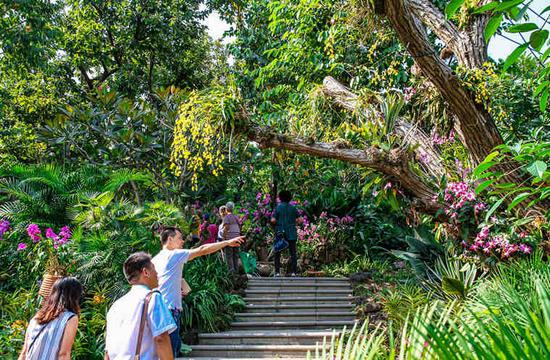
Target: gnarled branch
pixel 394 163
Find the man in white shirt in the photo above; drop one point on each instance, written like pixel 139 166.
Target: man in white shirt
pixel 169 264
pixel 124 316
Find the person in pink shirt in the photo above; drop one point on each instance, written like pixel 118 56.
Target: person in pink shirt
pixel 212 229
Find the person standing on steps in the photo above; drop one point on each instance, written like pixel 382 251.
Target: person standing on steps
pixel 284 218
pixel 169 264
pixel 231 229
pixel 139 323
pixel 51 332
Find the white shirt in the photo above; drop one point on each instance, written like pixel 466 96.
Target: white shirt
pixel 169 266
pixel 123 321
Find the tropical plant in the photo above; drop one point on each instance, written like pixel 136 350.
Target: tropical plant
pixel 422 251
pixel 209 307
pixel 451 278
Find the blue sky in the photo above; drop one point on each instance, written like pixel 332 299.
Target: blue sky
pixel 499 47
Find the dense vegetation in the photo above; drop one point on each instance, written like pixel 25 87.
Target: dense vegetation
pixel 119 116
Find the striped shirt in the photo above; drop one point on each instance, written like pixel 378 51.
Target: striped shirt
pixel 44 340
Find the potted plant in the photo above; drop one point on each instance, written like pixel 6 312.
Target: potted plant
pixel 50 250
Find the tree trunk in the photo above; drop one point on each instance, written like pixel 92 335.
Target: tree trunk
pixel 473 124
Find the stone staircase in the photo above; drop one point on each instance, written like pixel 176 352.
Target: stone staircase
pixel 284 319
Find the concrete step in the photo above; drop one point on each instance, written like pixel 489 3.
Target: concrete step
pixel 290 280
pixel 303 316
pixel 298 292
pixel 259 337
pixel 326 308
pixel 252 351
pixel 231 358
pixel 288 300
pixel 299 286
pixel 296 325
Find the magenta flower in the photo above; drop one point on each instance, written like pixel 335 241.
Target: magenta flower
pixel 4 227
pixel 483 234
pixel 21 246
pixel 526 249
pixel 480 207
pixel 51 234
pixel 387 186
pixel 34 232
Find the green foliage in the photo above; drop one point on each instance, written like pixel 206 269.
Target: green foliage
pixel 531 158
pixel 515 12
pixel 403 301
pixel 55 53
pixel 209 307
pixel 506 317
pixel 451 278
pixel 423 250
pixel 359 344
pixel 43 193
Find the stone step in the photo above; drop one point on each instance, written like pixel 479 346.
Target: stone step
pixel 299 286
pixel 252 351
pixel 269 337
pixel 297 280
pixel 296 325
pixel 293 292
pixel 326 308
pixel 312 300
pixel 231 358
pixel 302 316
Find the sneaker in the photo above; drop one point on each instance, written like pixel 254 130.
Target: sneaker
pixel 277 275
pixel 293 275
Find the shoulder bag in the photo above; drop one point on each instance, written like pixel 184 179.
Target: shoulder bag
pixel 142 322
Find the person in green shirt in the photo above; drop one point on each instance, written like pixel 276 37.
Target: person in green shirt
pixel 284 218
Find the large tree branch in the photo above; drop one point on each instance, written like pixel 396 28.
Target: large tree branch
pixel 394 163
pixel 413 137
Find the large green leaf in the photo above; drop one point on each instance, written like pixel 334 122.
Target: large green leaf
pixel 484 185
pixel 489 6
pixel 537 168
pixel 492 27
pixel 511 59
pixel 518 199
pixel 493 208
pixel 538 39
pixel 453 286
pixel 544 99
pixel 453 7
pixel 541 87
pixel 482 167
pixel 522 28
pixel 505 5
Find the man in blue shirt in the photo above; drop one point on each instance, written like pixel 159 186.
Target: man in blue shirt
pixel 169 264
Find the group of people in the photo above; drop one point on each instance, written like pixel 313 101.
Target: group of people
pixel 145 322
